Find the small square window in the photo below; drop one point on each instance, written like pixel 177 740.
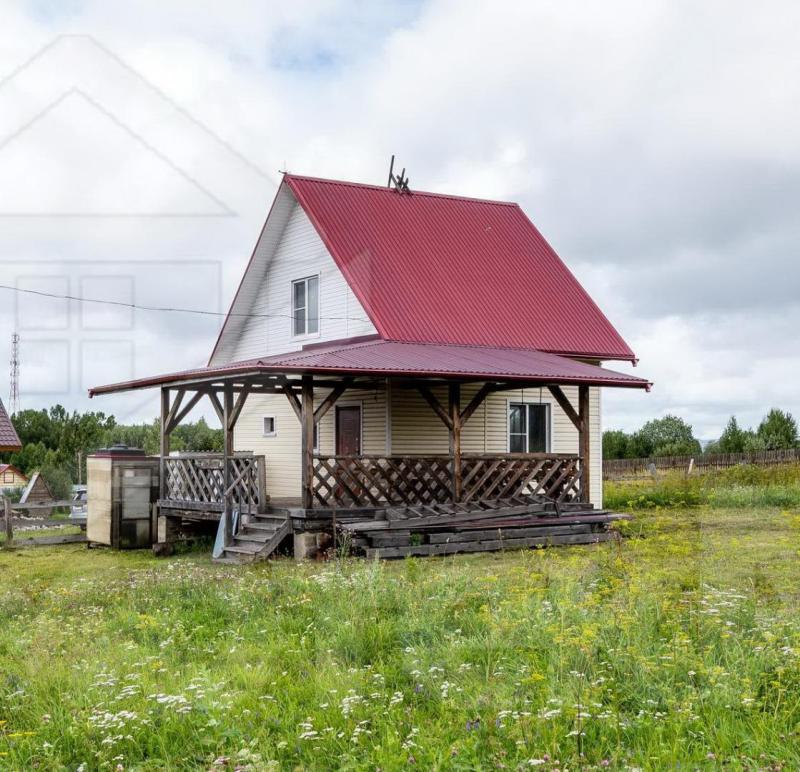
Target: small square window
pixel 269 426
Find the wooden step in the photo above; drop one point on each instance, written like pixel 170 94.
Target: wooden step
pixel 261 535
pixel 256 543
pixel 265 521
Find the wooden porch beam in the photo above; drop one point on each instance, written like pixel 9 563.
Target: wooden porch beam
pixel 476 401
pixel 435 405
pixel 566 405
pixel 175 407
pixel 227 454
pixel 584 441
pixel 237 407
pixel 330 400
pixel 217 405
pixel 176 420
pixel 307 441
pixel 454 408
pixel 287 389
pixel 163 443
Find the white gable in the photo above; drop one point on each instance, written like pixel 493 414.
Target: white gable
pixel 289 248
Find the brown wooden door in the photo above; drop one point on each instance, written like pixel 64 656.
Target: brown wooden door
pixel 348 430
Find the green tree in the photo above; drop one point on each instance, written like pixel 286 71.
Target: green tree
pixel 616 444
pixel 732 439
pixel 664 436
pixel 778 430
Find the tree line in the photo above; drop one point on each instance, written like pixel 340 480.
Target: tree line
pixel 57 442
pixel 672 436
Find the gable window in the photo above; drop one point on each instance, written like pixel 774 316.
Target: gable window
pixel 528 428
pixel 270 429
pixel 305 306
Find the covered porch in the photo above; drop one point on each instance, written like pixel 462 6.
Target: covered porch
pixel 337 489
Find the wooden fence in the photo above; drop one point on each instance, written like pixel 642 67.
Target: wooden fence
pixel 630 467
pixel 375 481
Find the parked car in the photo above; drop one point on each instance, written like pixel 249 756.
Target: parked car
pixel 79 505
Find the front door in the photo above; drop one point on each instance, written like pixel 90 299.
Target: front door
pixel 348 430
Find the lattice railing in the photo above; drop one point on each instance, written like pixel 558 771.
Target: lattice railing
pixel 375 481
pixel 196 481
pixel 557 476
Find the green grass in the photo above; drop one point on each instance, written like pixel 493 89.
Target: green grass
pixel 22 535
pixel 742 486
pixel 678 647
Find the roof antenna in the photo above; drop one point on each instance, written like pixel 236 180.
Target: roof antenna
pixel 400 182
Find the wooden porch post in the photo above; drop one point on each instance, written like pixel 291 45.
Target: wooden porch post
pixel 227 453
pixel 454 412
pixel 307 440
pixel 163 444
pixel 584 437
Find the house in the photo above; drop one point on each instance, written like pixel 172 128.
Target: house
pixel 11 477
pixel 37 491
pixel 394 349
pixel 9 441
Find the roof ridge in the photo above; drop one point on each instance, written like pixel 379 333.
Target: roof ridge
pixel 382 188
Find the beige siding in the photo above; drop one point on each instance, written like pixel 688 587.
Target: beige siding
pixel 282 452
pixel 298 253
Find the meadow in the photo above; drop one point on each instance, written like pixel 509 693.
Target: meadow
pixel 680 645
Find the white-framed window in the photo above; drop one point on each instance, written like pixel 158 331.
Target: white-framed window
pixel 269 426
pixel 305 306
pixel 528 427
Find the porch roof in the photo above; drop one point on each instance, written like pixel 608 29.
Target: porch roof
pixel 377 357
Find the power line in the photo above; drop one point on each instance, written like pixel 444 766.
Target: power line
pixel 169 309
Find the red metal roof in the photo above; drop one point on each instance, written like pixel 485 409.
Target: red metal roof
pixel 8 435
pixel 393 358
pixel 432 268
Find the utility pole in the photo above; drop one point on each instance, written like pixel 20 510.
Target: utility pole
pixel 14 395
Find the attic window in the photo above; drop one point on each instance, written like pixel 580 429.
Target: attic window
pixel 269 426
pixel 305 306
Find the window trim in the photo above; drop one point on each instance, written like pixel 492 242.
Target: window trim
pixel 305 279
pixel 548 423
pixel 274 432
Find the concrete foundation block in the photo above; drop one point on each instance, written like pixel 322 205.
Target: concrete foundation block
pixel 306 545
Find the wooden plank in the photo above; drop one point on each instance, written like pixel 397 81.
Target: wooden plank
pixel 487 534
pixel 493 545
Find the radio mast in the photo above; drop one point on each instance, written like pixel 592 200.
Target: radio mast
pixel 14 396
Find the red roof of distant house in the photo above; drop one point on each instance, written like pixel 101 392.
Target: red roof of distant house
pixel 12 468
pixel 392 358
pixel 8 434
pixel 432 268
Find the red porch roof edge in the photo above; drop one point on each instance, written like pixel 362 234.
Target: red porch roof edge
pixel 395 359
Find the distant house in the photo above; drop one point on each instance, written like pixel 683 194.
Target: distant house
pixel 11 477
pixel 389 348
pixel 9 441
pixel 37 491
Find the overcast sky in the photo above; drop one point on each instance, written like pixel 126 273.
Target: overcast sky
pixel 656 145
